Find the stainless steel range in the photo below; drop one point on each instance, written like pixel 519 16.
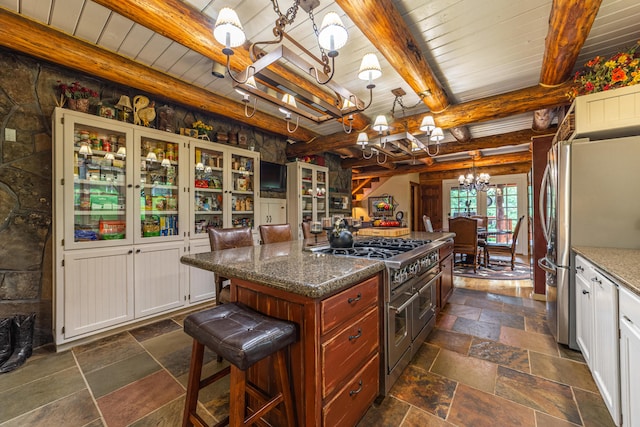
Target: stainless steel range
pixel 412 270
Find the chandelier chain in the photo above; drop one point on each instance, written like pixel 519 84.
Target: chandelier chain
pixel 323 55
pixel 290 16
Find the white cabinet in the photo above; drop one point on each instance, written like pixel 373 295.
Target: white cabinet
pixel 120 222
pixel 603 323
pixel 97 291
pixel 584 309
pixel 225 185
pixel 273 211
pixel 629 357
pixel 307 194
pixel 201 282
pixel 160 278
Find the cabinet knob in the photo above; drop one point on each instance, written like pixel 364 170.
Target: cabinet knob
pixel 130 251
pixel 580 269
pixel 585 292
pixel 129 185
pixel 137 251
pixel 598 281
pixel 627 319
pixel 137 186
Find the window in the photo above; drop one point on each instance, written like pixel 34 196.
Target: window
pixel 505 201
pixel 462 202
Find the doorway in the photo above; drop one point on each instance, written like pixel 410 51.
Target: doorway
pixel 415 206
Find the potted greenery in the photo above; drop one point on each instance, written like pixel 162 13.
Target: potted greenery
pixel 600 73
pixel 77 96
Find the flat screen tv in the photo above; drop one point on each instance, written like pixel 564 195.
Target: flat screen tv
pixel 273 177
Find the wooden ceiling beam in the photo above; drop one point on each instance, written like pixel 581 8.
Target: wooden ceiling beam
pixel 390 34
pixel 489 162
pixel 480 110
pixel 570 22
pixel 183 24
pixel 511 168
pixel 493 141
pixel 43 42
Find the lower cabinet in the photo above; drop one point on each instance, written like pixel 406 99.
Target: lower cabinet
pixel 103 288
pixel 273 211
pixel 335 364
pixel 201 282
pixel 584 310
pixel 160 278
pixel 597 331
pixel 444 288
pixel 97 291
pixel 629 357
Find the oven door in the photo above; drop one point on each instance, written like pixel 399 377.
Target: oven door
pixel 424 307
pixel 399 324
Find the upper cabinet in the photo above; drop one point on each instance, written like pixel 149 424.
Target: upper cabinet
pixel 95 174
pixel 307 193
pixel 224 187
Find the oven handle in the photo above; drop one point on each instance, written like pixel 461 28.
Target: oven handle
pixel 436 277
pixel 406 304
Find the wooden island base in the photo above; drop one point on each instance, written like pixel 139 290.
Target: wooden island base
pixel 335 363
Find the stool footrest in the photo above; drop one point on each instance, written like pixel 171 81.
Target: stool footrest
pixel 215 377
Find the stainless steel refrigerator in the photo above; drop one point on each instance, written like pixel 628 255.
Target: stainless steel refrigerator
pixel 590 196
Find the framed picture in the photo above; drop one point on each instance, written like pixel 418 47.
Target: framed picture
pixel 107 111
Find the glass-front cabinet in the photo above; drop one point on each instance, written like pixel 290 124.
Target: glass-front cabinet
pixel 158 187
pixel 224 191
pixel 307 193
pixel 96 182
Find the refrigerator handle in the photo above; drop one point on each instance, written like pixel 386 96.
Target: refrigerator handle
pixel 541 204
pixel 547 265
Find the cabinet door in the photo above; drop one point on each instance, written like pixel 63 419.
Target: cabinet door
pixel 207 165
pixel 241 188
pixel 160 205
pixel 321 194
pixel 605 343
pixel 273 211
pixel 629 357
pixel 446 280
pixel 201 282
pixel 160 278
pixel 93 184
pixel 584 312
pixel 98 289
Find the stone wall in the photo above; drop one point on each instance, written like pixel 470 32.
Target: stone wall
pixel 28 96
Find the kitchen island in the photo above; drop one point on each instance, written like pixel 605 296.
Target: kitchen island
pixel 337 303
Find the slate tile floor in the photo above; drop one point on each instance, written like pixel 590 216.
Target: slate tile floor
pixel 491 361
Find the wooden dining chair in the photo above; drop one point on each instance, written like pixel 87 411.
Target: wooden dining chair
pixel 427 224
pixel 466 238
pixel 274 233
pixel 507 248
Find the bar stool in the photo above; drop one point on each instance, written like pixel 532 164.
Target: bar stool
pixel 275 233
pixel 243 337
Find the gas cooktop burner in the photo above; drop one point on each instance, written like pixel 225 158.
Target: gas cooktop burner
pixel 396 244
pixel 363 252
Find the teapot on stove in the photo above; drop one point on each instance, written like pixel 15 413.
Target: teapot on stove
pixel 340 236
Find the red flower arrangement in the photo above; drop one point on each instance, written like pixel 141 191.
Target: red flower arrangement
pixel 75 91
pixel 600 74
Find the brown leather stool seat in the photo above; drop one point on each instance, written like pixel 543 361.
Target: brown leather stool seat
pixel 243 337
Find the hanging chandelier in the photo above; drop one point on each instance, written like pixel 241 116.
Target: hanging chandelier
pixel 380 125
pixel 474 182
pixel 289 96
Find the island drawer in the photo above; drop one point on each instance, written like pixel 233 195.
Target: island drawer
pixel 352 401
pixel 446 249
pixel 347 304
pixel 345 351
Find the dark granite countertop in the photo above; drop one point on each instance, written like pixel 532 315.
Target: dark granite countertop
pixel 622 265
pixel 288 266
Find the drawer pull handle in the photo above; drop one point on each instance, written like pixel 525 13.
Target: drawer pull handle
pixel 352 392
pixel 358 298
pixel 585 292
pixel 598 281
pixel 580 269
pixel 355 337
pixel 627 319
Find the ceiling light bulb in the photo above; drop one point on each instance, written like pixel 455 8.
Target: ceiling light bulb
pixel 380 124
pixel 369 67
pixel 437 135
pixel 363 139
pixel 228 30
pixel 333 34
pixel 427 125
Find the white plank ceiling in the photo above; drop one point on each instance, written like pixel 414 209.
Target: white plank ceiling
pixel 475 48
